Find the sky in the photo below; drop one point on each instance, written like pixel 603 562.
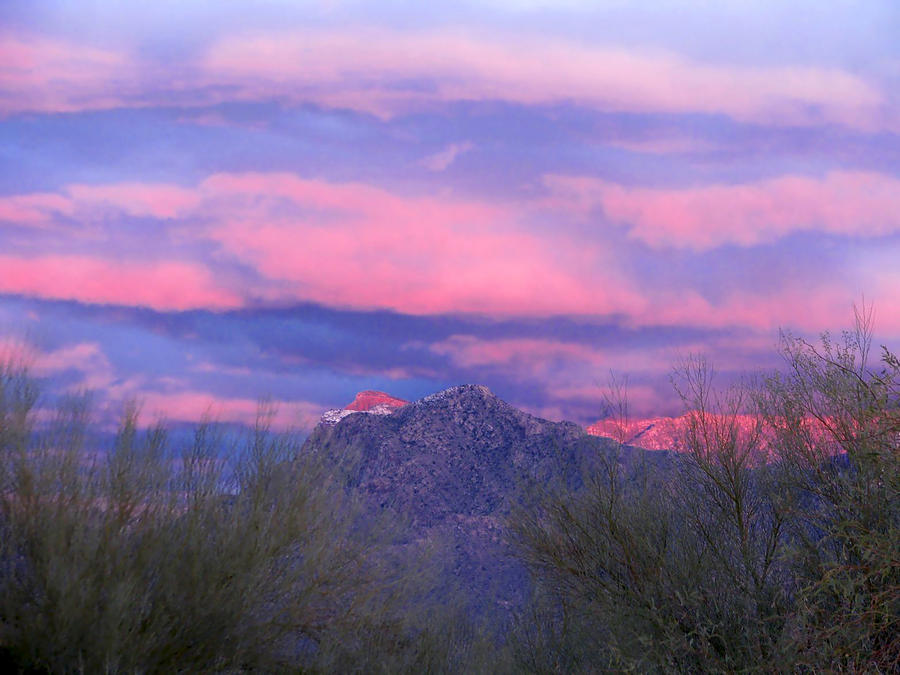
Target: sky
pixel 203 204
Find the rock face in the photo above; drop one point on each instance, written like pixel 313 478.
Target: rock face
pixel 655 433
pixel 460 451
pixel 664 433
pixel 367 400
pixel 371 402
pixel 455 463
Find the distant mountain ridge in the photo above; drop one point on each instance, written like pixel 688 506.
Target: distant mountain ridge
pixel 664 433
pixel 650 433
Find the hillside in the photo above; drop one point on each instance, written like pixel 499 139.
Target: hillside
pixel 455 463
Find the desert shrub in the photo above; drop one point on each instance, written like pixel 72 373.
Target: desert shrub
pixel 223 555
pixel 835 424
pixel 769 543
pixel 634 575
pixel 140 559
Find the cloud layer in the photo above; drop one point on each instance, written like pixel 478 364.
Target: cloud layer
pixel 389 72
pixel 852 203
pixel 208 206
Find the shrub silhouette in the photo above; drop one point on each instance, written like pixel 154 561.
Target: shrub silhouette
pixel 769 543
pixel 224 556
pixel 836 427
pixel 771 546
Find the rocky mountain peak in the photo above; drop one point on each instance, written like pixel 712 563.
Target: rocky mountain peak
pixel 366 400
pixel 474 397
pixel 369 401
pixel 454 464
pixel 472 411
pixel 462 391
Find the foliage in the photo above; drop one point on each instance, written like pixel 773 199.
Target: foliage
pixel 836 428
pixel 770 542
pixel 222 555
pixel 773 545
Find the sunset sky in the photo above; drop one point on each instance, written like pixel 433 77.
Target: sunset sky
pixel 205 203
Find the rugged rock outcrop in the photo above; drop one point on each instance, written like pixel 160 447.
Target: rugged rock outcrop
pixel 367 400
pixel 455 463
pixel 371 402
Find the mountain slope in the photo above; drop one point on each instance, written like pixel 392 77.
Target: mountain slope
pixel 454 463
pixel 665 433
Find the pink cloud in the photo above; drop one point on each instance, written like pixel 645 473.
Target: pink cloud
pixel 439 161
pixel 815 306
pixel 356 245
pixel 663 145
pixel 352 198
pixel 85 357
pixel 366 69
pixel 413 254
pixel 159 200
pixel 357 68
pixel 470 351
pixel 43 74
pixel 191 406
pixel 642 399
pixel 164 285
pixel 878 274
pixel 842 202
pixel 410 253
pixel 65 358
pixel 568 371
pixel 590 364
pixel 33 210
pixel 86 202
pixel 179 403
